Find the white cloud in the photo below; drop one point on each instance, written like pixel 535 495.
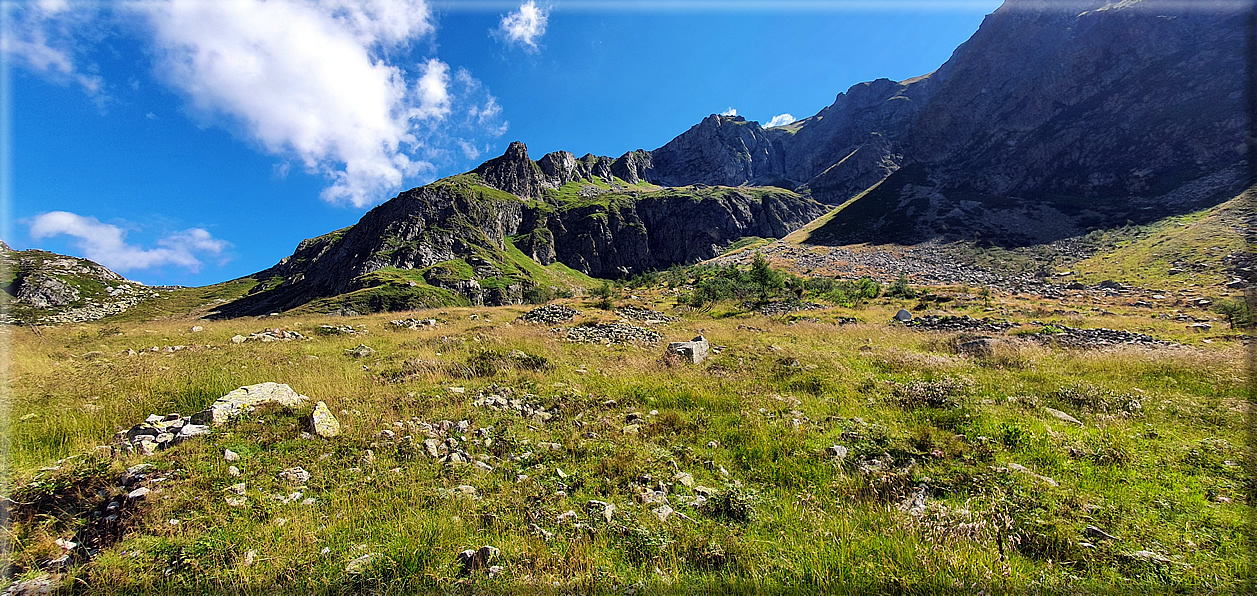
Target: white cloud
pixel 328 85
pixel 106 244
pixel 780 120
pixel 524 26
pixel 729 112
pixel 433 90
pixel 311 88
pixel 40 36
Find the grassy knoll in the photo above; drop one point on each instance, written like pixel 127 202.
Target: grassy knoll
pixel 956 476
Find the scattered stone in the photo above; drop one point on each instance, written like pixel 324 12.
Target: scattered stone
pixel 362 351
pixel 361 564
pixel 139 493
pixel 685 479
pixel 960 323
pixel 296 475
pixel 662 512
pixel 694 350
pixel 233 471
pixel 836 451
pixel 606 510
pixel 1062 416
pixel 325 424
pixel 1024 470
pixel 249 557
pixel 415 323
pixel 238 339
pixel 39 586
pixel 1073 337
pixel 550 314
pixel 230 455
pixel 1097 534
pixel 903 316
pixel 269 335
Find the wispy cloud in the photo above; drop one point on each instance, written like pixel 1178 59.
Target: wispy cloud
pixel 524 26
pixel 730 111
pixel 780 120
pixel 41 36
pixel 106 243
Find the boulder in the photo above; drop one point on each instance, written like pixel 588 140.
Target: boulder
pixel 245 399
pixel 695 350
pixel 903 316
pixel 324 422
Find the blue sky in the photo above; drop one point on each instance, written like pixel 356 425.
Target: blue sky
pixel 194 141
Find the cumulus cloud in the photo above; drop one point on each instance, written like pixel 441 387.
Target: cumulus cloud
pixel 524 26
pixel 106 243
pixel 312 87
pixel 731 111
pixel 780 120
pixel 321 84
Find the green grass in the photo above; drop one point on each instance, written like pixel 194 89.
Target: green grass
pixel 1149 466
pixel 1145 254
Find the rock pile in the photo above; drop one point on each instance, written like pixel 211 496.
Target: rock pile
pixel 341 329
pixel 414 323
pixel 501 399
pixel 961 323
pixel 268 335
pixel 775 309
pixel 645 315
pixel 1073 337
pixel 550 314
pixel 159 432
pixel 612 333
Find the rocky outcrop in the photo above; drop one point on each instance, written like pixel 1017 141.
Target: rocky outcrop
pixel 720 150
pixel 513 172
pixel 49 288
pixel 454 235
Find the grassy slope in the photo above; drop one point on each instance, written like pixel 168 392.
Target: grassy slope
pixel 1145 254
pixel 1144 475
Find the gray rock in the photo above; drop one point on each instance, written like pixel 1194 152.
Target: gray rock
pixel 296 475
pixel 903 316
pixel 39 586
pixel 325 424
pixel 245 399
pixel 1062 416
pixel 230 455
pixel 362 351
pixel 361 564
pixel 695 350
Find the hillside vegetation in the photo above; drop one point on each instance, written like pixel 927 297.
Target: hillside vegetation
pixel 814 450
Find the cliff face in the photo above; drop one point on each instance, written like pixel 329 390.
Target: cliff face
pixel 1053 119
pixel 1058 118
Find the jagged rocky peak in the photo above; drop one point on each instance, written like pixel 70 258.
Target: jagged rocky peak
pixel 513 172
pixel 633 167
pixel 720 150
